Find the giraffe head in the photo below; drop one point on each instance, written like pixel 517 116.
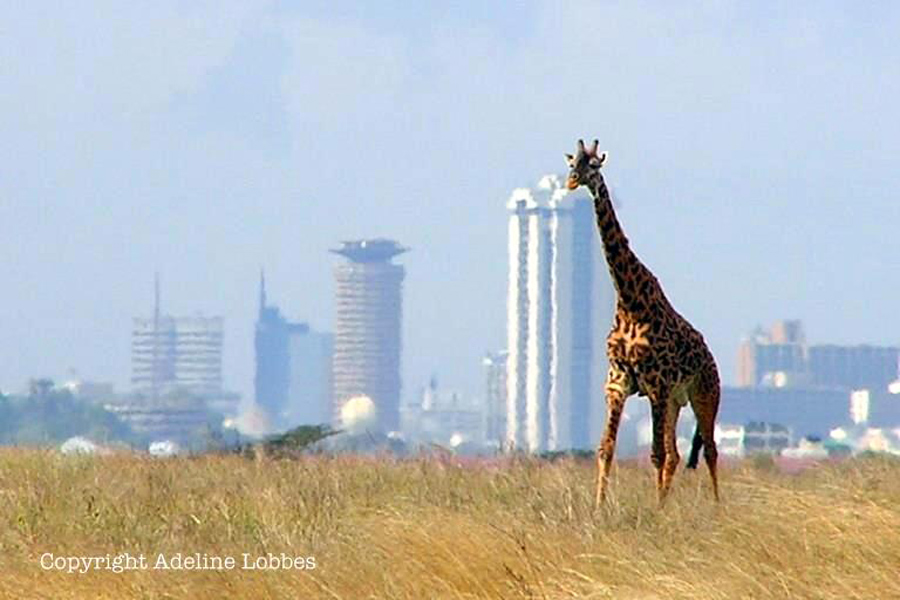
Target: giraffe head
pixel 584 165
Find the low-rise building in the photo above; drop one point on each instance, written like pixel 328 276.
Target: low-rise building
pixel 443 418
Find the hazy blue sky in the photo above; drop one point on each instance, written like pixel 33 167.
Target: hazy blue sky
pixel 754 147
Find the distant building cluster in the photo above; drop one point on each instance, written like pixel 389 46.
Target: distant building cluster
pixel 543 393
pixel 444 418
pixel 176 376
pixel 780 358
pixel 812 391
pixel 349 379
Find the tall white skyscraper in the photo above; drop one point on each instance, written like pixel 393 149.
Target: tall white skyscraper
pixel 559 307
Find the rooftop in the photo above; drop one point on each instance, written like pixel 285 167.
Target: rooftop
pixel 370 251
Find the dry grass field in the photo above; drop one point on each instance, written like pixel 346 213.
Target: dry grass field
pixel 437 528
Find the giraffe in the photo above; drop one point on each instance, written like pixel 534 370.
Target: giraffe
pixel 652 350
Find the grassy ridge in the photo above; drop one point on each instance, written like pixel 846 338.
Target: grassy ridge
pixel 437 529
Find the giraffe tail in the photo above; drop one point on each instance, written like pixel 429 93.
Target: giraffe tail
pixel 696 445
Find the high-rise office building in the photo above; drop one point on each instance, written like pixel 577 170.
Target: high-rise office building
pixel 310 392
pixel 559 309
pixel 495 396
pixel 198 353
pixel 293 369
pixel 176 353
pixel 773 358
pixel 176 376
pixel 367 340
pixel 854 367
pixel 781 358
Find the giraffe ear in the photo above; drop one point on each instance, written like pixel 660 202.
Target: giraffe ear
pixel 570 160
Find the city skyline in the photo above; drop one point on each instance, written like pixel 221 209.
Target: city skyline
pixel 749 147
pixel 126 381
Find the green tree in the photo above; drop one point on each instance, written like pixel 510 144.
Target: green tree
pixel 50 416
pixel 294 441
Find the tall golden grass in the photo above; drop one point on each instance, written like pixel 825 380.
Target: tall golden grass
pixel 435 528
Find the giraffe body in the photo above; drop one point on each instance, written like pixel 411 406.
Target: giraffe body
pixel 653 351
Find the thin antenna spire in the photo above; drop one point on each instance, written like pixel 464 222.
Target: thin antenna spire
pixel 262 290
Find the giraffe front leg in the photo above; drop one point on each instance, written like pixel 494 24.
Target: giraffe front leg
pixel 670 436
pixel 617 389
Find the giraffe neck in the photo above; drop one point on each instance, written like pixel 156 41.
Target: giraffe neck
pixel 626 269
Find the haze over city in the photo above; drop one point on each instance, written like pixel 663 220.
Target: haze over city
pixel 752 150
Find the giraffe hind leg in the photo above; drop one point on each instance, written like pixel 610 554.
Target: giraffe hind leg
pixel 711 454
pixel 706 406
